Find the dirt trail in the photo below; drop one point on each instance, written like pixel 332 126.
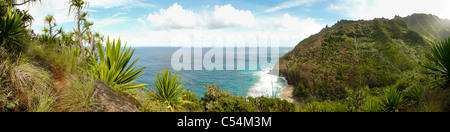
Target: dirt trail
pixel 59 79
pixel 287 93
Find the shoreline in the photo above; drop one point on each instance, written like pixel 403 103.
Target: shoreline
pixel 287 93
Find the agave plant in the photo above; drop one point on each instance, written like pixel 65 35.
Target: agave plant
pixel 12 31
pixel 392 100
pixel 114 68
pixel 416 92
pixel 169 89
pixel 440 59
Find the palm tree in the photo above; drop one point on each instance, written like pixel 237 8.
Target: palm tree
pixel 86 25
pixel 49 19
pixel 76 6
pixel 92 38
pixel 440 59
pixel 67 38
pixel 45 30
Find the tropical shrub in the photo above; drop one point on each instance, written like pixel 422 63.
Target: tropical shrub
pixel 393 99
pixel 12 31
pixel 265 104
pixel 301 91
pixel 114 68
pixel 416 92
pixel 440 59
pixel 322 90
pixel 325 106
pixel 191 97
pixel 169 89
pixel 231 104
pixel 214 93
pixel 149 102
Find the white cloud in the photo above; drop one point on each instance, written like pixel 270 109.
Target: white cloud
pixel 296 28
pixel 175 17
pixel 289 29
pixel 107 22
pixel 290 4
pixel 57 8
pixel 228 16
pixel 60 8
pixel 365 9
pixel 117 3
pixel 208 37
pixel 182 22
pixel 139 20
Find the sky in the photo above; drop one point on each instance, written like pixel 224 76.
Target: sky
pixel 180 22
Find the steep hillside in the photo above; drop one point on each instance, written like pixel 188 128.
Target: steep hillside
pixel 353 54
pixel 430 26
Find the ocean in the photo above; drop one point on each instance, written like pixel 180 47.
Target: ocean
pixel 253 82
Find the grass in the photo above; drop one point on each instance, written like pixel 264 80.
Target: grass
pixel 432 101
pixel 78 95
pixel 33 85
pixel 41 100
pixel 150 103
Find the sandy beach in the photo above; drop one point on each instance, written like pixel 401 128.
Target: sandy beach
pixel 287 93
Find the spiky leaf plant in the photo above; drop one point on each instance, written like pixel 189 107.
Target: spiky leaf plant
pixel 392 100
pixel 440 59
pixel 12 31
pixel 169 88
pixel 114 68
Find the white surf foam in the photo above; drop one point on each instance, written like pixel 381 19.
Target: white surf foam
pixel 268 85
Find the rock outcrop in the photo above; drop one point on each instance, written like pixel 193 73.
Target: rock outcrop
pixel 109 100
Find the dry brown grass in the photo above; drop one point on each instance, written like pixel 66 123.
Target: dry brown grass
pixel 32 86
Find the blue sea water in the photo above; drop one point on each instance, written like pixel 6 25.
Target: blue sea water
pixel 253 82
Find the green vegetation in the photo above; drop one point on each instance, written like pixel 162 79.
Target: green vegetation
pixel 218 100
pixel 169 89
pixel 54 72
pixel 372 66
pixel 46 72
pixel 325 106
pixel 429 26
pixel 78 96
pixel 12 31
pixel 393 99
pixel 352 66
pixel 373 104
pixel 440 58
pixel 114 68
